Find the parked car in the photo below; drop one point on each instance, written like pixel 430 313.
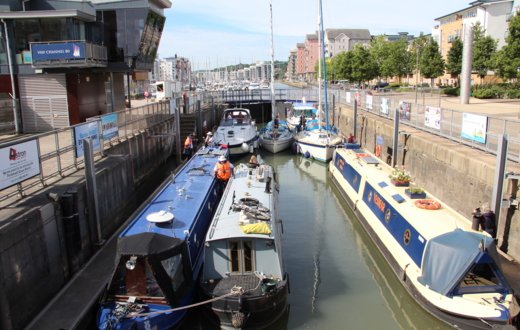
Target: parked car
pixel 380 85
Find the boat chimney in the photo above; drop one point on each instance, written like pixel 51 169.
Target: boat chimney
pixel 268 185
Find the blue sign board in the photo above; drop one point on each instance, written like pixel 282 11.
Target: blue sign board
pixel 109 126
pixel 58 51
pixel 87 130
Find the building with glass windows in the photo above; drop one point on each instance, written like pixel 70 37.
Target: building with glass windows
pixel 67 60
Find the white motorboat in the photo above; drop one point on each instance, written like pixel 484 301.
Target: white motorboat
pixel 237 131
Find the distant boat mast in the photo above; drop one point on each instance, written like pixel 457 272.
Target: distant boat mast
pixel 273 102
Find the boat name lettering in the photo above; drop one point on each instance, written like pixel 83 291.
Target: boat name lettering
pixel 379 202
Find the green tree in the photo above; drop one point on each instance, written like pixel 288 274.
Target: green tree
pixel 397 64
pixel 343 62
pixel 484 48
pixel 364 67
pixel 415 54
pixel 431 63
pixel 454 60
pixel 507 60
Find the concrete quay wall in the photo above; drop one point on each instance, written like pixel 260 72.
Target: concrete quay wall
pixel 46 238
pixel 457 175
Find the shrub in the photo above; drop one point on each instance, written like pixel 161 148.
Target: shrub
pixel 451 91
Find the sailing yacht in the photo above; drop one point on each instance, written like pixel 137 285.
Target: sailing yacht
pixel 320 140
pixel 276 135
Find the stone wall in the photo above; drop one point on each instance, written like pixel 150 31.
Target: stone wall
pixel 456 174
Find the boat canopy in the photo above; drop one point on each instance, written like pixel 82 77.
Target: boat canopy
pixel 449 257
pixel 148 244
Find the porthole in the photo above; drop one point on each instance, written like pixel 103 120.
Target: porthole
pixel 388 215
pixel 407 236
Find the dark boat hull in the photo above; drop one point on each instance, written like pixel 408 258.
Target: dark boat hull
pixel 248 312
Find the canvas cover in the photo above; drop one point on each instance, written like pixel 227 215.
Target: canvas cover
pixel 449 256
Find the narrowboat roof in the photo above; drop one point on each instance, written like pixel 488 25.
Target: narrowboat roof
pixel 226 222
pixel 180 197
pixel 428 223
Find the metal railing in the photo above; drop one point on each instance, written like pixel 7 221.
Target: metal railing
pixel 57 151
pixel 450 123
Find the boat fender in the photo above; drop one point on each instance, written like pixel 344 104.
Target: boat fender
pixel 427 204
pixel 307 154
pixel 237 319
pixel 245 147
pixel 355 205
pixel 403 276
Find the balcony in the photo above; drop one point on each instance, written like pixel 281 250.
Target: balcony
pixel 66 54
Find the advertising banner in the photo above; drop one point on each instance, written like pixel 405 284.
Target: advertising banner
pixel 474 127
pixel 58 51
pixel 18 162
pixel 405 110
pixel 87 130
pixel 348 97
pixel 368 99
pixel 109 126
pixel 432 117
pixel 385 104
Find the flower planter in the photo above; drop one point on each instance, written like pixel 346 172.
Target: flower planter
pixel 401 183
pixel 415 195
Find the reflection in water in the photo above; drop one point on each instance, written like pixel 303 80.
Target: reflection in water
pixel 338 278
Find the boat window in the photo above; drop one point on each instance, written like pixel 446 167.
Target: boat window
pixel 136 280
pixel 233 249
pixel 248 256
pixel 241 256
pixel 174 269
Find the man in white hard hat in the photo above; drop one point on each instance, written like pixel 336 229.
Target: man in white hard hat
pixel 223 171
pixel 208 141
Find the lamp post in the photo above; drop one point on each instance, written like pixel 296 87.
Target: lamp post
pixel 416 73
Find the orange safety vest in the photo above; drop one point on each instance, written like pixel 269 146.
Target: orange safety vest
pixel 188 144
pixel 223 171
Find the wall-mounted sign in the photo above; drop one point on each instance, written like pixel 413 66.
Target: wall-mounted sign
pixel 87 130
pixel 385 104
pixel 57 51
pixel 18 163
pixel 474 127
pixel 405 110
pixel 109 126
pixel 368 100
pixel 432 117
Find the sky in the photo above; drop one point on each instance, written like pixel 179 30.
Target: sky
pixel 215 33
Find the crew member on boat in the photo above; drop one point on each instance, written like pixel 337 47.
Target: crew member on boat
pixel 208 142
pixel 223 171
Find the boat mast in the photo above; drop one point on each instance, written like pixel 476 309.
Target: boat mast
pixel 322 45
pixel 273 102
pixel 319 65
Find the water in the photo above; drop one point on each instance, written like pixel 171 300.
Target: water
pixel 338 279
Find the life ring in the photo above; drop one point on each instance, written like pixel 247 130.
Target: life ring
pixel 362 155
pixel 378 150
pixel 428 204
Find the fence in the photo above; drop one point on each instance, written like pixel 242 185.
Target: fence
pixel 450 124
pixel 59 152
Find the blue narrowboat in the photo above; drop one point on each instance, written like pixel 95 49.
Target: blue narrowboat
pixel 160 253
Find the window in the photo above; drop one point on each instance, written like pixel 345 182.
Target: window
pixel 137 281
pixel 241 256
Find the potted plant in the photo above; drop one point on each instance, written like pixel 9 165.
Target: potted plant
pixel 415 192
pixel 400 177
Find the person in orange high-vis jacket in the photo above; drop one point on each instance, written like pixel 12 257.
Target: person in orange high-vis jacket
pixel 188 146
pixel 223 171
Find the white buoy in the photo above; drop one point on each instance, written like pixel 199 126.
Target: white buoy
pixel 245 147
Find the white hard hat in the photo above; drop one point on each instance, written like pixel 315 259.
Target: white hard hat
pixel 222 158
pixel 209 133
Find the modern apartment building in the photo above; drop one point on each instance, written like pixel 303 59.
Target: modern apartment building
pixel 344 40
pixel 493 16
pixel 66 61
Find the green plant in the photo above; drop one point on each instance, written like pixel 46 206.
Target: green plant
pixel 416 190
pixel 400 175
